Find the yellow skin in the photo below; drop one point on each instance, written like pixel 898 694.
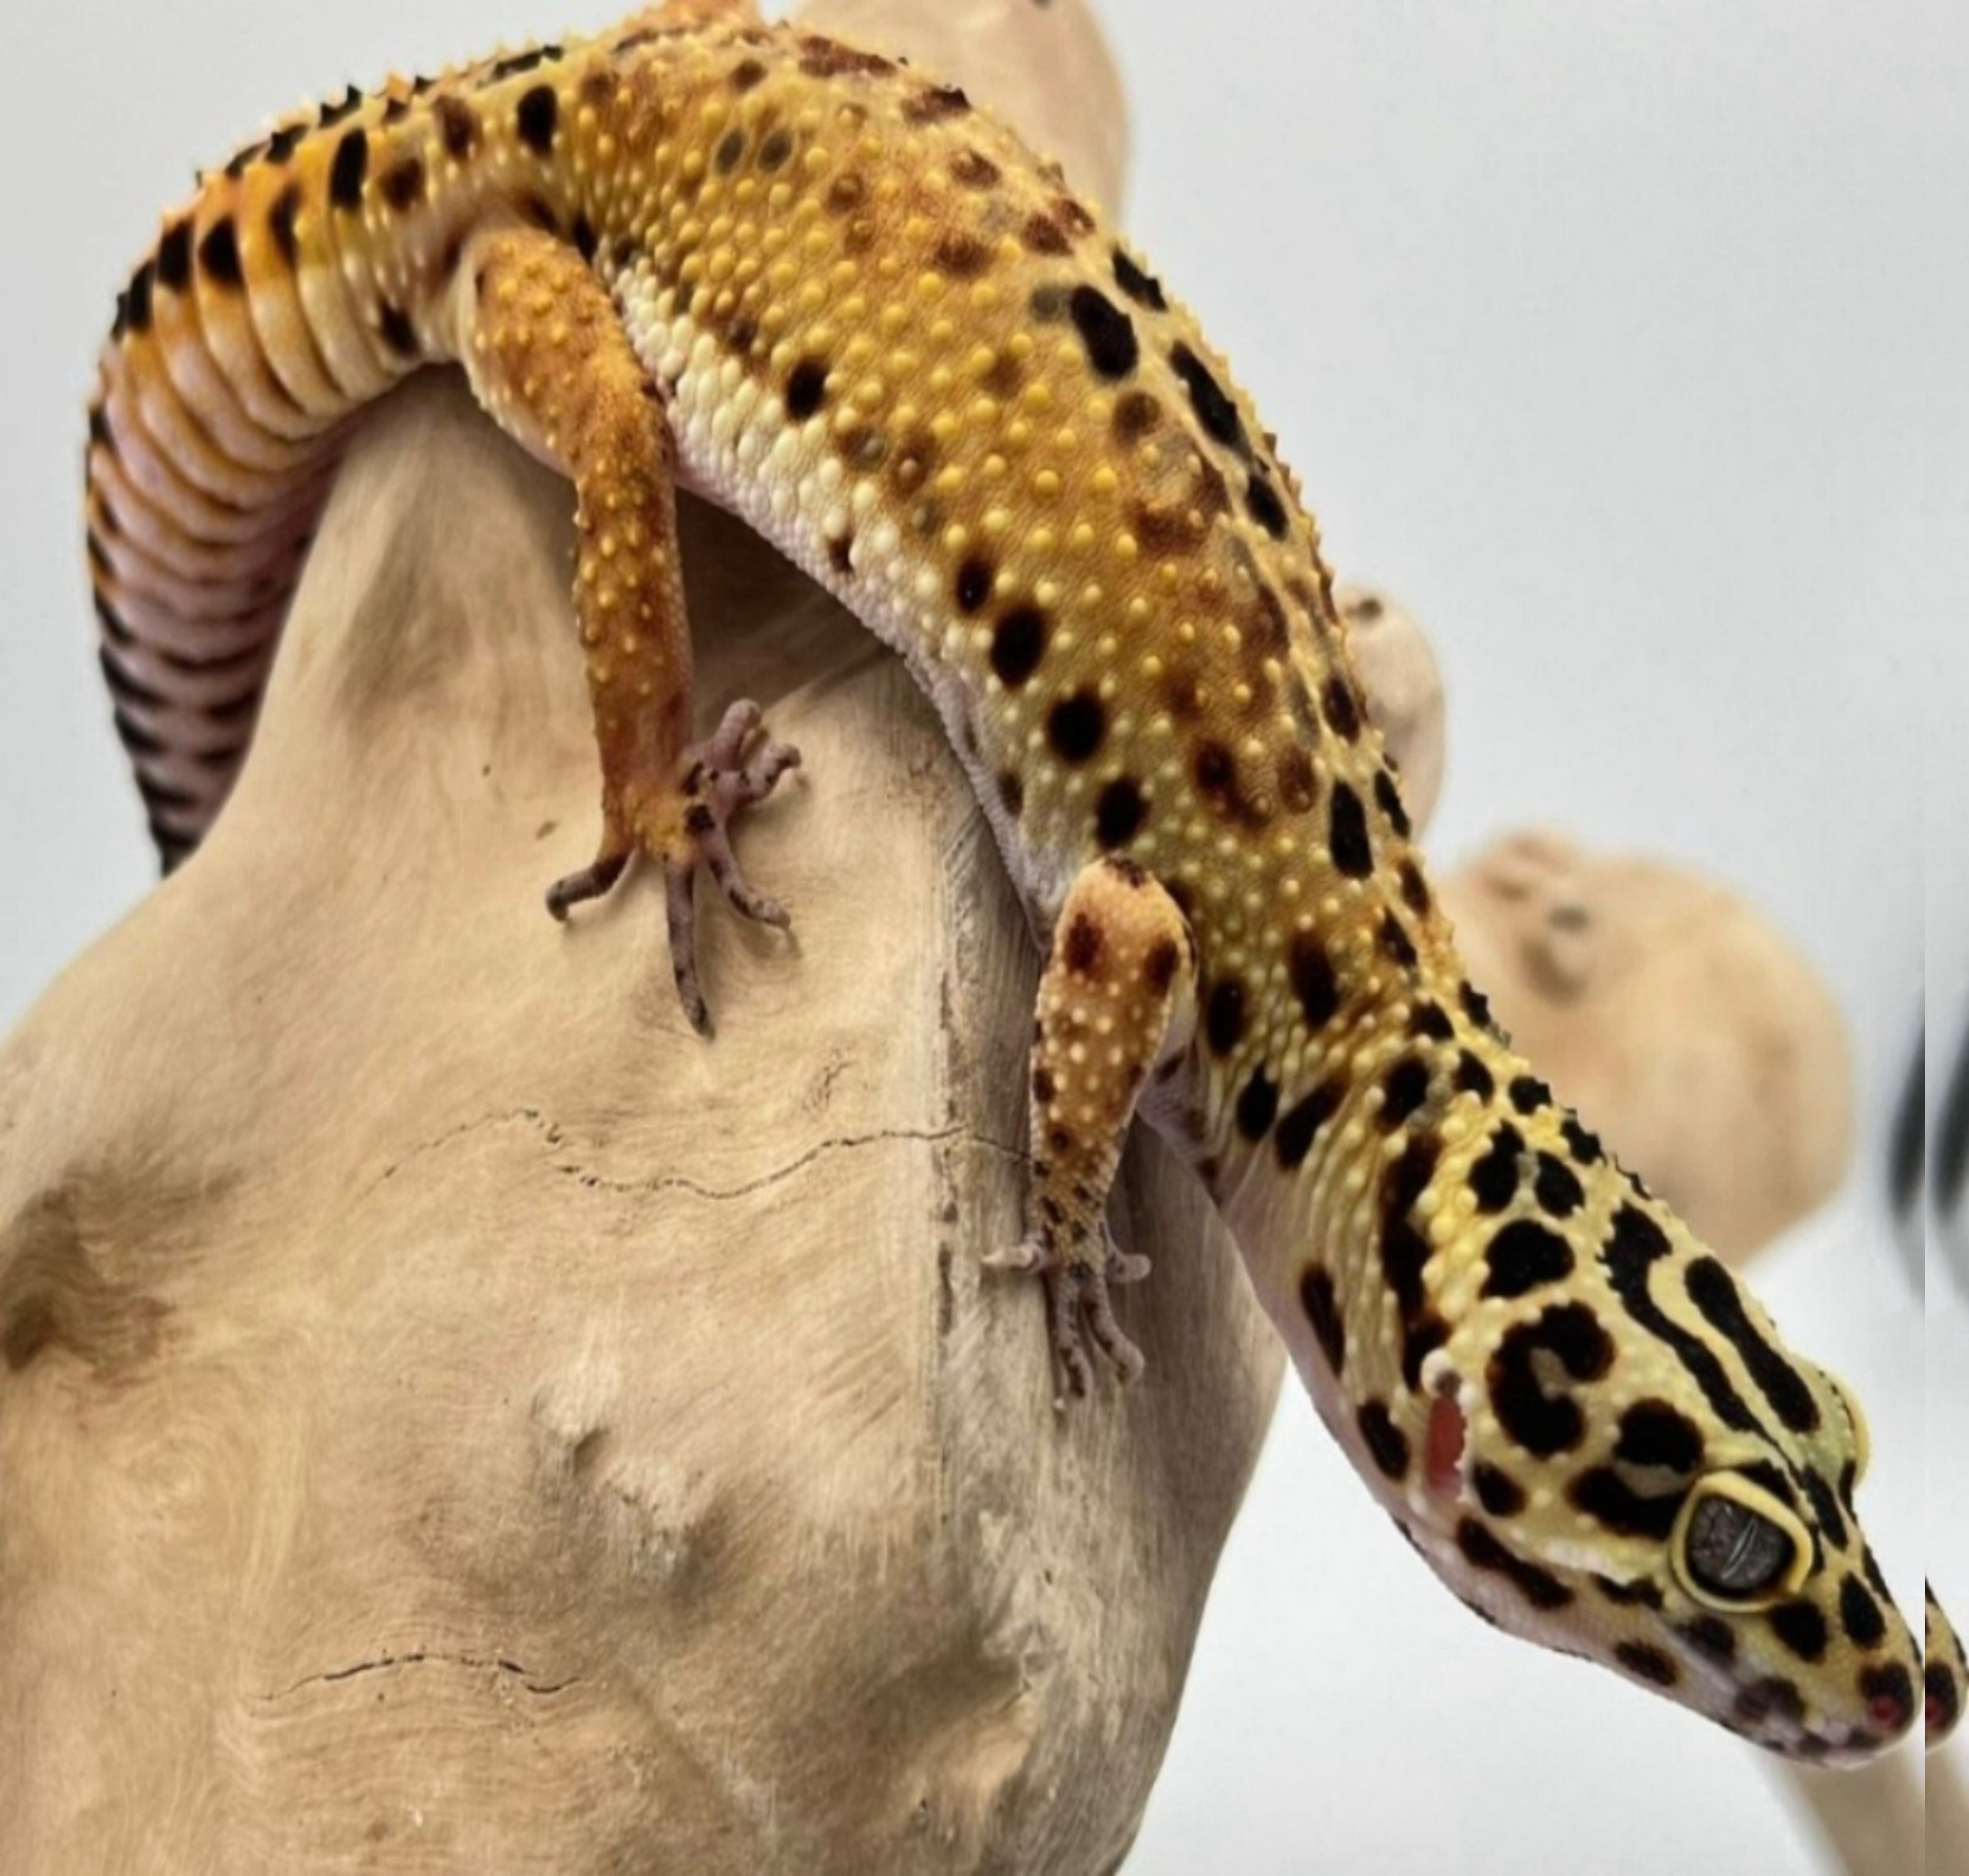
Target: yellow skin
pixel 822 289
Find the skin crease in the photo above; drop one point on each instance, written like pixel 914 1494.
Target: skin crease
pixel 821 288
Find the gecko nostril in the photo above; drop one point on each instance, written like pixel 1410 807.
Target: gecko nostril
pixel 1889 1696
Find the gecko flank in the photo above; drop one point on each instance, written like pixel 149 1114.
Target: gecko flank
pixel 821 288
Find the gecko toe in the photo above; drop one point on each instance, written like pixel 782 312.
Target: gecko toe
pixel 1079 1310
pixel 589 882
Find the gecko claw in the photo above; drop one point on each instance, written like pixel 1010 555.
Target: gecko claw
pixel 1078 1306
pixel 685 825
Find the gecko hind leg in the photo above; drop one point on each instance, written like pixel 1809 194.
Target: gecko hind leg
pixel 549 359
pixel 1118 997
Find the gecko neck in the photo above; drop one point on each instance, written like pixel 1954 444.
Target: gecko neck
pixel 1351 1181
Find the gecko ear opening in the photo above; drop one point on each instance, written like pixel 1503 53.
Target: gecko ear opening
pixel 1449 1434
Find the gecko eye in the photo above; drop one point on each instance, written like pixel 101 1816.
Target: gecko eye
pixel 1736 1547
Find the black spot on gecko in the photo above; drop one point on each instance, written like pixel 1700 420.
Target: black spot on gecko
pixel 1106 330
pixel 350 169
pixel 1083 944
pixel 1415 889
pixel 1476 1006
pixel 936 105
pixel 1481 1549
pixel 1387 1445
pixel 133 307
pixel 1342 713
pixel 1215 411
pixel 1607 1498
pixel 393 323
pixel 1012 793
pixel 1654 1432
pixel 807 388
pixel 1801 1628
pixel 1557 1189
pixel 1860 1614
pixel 1309 969
pixel 1302 1121
pixel 457 126
pixel 1298 787
pixel 1584 1147
pixel 974 580
pixel 282 144
pixel 1042 234
pixel 1430 1021
pixel 402 184
pixel 1317 1297
pixel 1389 800
pixel 1159 968
pixel 975 170
pixel 1076 726
pixel 1347 833
pixel 1472 1078
pixel 1497 1491
pixel 280 223
pixel 1263 502
pixel 516 63
pixel 746 75
pixel 174 257
pixel 962 257
pixel 1119 813
pixel 537 118
pixel 1017 646
pixel 1404 1091
pixel 1647 1663
pixel 1405 1251
pixel 731 148
pixel 586 241
pixel 1711 1636
pixel 775 151
pixel 1223 1016
pixel 331 114
pixel 1396 944
pixel 1528 1094
pixel 1257 1106
pixel 1493 1179
pixel 1143 289
pixel 1522 1255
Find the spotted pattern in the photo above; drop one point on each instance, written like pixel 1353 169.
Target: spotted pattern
pixel 898 345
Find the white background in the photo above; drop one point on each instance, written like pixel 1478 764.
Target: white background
pixel 1626 343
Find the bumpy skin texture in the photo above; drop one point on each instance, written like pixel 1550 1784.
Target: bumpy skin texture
pixel 867 319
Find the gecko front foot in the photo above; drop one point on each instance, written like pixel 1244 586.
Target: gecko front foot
pixel 685 826
pixel 1078 1307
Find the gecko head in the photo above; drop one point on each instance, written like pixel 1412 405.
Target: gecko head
pixel 1642 1475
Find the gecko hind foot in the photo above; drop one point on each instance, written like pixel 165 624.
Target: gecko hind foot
pixel 687 827
pixel 1079 1308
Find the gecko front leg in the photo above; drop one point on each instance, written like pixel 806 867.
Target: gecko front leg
pixel 1118 997
pixel 549 359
